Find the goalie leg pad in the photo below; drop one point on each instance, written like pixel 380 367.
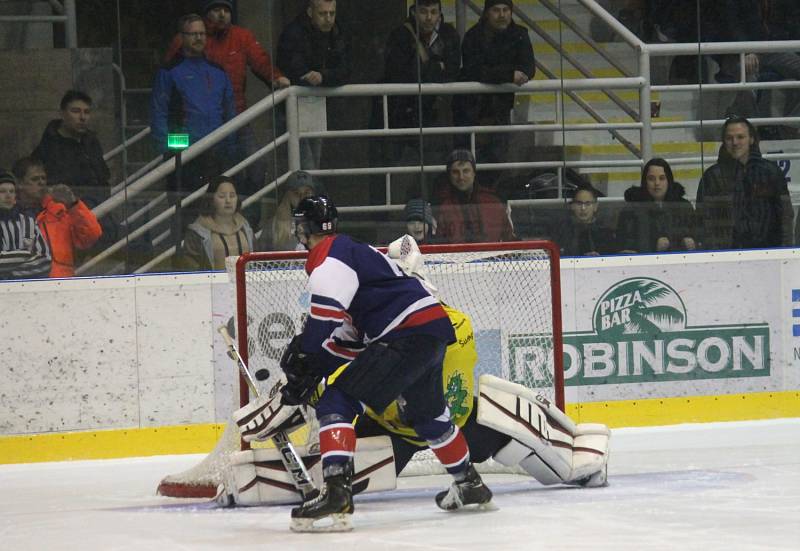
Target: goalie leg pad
pixel 266 415
pixel 257 477
pixel 558 450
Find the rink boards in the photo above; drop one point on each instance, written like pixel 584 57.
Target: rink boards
pixel 134 364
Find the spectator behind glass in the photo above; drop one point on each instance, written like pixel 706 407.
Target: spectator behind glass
pixel 420 223
pixel 580 233
pixel 277 232
pixel 658 217
pixel 467 212
pixel 71 152
pixel 23 251
pixel 193 96
pixel 495 51
pixel 235 48
pixel 64 220
pixel 423 49
pixel 314 51
pixel 220 230
pixel 743 200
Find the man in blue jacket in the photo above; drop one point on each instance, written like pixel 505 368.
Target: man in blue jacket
pixel 194 96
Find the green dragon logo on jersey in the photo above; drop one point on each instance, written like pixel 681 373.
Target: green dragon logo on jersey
pixel 456 395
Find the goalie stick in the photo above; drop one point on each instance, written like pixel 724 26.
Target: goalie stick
pixel 289 457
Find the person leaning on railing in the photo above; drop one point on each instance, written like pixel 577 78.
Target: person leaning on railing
pixel 496 51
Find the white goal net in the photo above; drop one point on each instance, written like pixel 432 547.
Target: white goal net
pixel 509 290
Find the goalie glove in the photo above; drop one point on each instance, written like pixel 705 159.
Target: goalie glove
pixel 265 416
pixel 301 379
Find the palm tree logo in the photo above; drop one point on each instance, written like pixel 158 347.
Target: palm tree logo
pixel 639 306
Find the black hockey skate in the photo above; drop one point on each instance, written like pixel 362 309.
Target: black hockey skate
pixel 469 491
pixel 335 502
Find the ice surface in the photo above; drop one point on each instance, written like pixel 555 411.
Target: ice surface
pixel 716 486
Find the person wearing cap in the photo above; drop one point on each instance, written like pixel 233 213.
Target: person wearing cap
pixel 277 232
pixel 24 253
pixel 467 212
pixel 424 49
pixel 496 50
pixel 420 223
pixel 64 220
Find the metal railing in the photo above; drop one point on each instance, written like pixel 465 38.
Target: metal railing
pixel 642 123
pixel 67 17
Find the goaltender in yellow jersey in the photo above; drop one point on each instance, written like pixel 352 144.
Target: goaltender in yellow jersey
pixel 457 377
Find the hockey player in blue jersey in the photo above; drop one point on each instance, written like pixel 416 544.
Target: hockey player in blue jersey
pixel 358 295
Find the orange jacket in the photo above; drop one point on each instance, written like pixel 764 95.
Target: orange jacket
pixel 65 230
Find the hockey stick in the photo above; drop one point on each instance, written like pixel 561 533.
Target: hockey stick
pixel 291 461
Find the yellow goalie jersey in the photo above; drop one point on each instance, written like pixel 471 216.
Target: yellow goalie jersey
pixel 457 377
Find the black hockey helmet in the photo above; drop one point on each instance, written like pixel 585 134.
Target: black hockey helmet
pixel 315 215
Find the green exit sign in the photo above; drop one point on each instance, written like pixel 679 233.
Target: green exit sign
pixel 177 141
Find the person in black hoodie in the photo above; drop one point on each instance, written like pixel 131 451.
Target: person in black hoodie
pixel 495 51
pixel 71 152
pixel 658 217
pixel 743 200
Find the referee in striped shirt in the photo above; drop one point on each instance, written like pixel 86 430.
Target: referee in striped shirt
pixel 24 253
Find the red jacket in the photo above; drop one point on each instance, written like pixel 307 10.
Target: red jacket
pixel 480 218
pixel 67 229
pixel 234 50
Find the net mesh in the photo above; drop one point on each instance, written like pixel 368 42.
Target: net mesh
pixel 508 296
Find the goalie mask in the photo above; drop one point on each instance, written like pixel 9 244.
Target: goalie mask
pixel 315 215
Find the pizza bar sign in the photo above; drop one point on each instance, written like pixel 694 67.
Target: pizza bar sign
pixel 640 334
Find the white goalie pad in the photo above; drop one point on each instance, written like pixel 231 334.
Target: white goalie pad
pixel 258 477
pixel 266 415
pixel 545 442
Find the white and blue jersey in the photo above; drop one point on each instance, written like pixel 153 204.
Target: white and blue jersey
pixel 359 296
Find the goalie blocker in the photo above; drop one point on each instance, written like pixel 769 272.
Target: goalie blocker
pixel 544 442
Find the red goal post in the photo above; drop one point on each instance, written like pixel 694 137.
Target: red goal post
pixel 510 290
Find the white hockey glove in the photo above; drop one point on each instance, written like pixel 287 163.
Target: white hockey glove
pixel 265 416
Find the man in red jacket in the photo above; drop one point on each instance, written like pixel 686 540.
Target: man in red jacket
pixel 467 212
pixel 235 48
pixel 64 221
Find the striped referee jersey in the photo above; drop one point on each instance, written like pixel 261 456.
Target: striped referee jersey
pixel 24 253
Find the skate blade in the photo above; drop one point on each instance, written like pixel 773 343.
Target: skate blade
pixel 339 522
pixel 474 507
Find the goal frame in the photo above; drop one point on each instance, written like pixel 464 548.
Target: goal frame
pixel 555 296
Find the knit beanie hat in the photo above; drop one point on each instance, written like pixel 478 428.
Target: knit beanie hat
pixel 490 3
pixel 210 4
pixel 6 177
pixel 419 209
pixel 300 178
pixel 460 155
